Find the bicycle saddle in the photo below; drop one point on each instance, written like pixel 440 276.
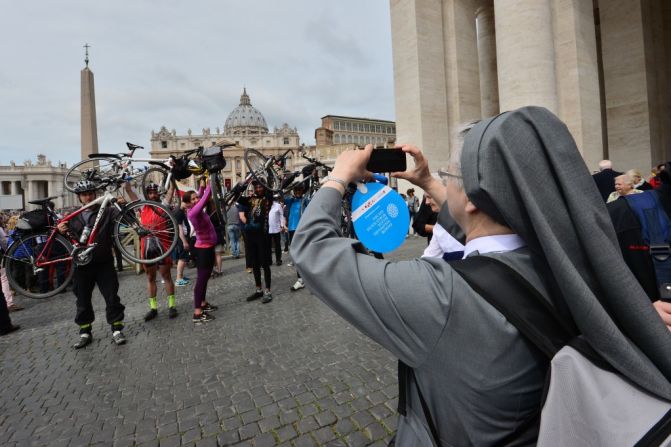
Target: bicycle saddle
pixel 43 201
pixel 132 146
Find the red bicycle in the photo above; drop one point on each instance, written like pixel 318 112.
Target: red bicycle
pixel 39 262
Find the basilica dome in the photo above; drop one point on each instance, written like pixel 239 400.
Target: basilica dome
pixel 245 119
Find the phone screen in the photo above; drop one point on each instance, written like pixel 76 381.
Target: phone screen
pixel 387 160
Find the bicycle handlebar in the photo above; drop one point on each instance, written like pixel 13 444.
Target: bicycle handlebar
pixel 317 162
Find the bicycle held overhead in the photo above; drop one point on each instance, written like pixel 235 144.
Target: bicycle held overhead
pixel 40 260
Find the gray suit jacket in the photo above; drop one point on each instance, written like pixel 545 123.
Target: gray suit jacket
pixel 479 376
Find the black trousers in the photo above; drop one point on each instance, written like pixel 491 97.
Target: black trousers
pixel 104 276
pixel 276 239
pixel 5 321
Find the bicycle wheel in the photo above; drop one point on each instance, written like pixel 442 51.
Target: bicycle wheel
pixel 39 268
pixel 164 180
pixel 269 175
pixel 145 232
pixel 90 169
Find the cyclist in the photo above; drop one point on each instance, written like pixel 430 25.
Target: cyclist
pixel 100 271
pixel 183 244
pixel 254 215
pixel 202 250
pixel 296 206
pixel 150 218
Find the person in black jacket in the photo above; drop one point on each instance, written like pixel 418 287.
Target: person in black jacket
pixel 100 271
pixel 605 178
pixel 425 219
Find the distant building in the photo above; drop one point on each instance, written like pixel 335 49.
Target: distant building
pixel 20 184
pixel 337 129
pixel 246 127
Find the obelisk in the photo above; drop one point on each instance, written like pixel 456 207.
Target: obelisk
pixel 89 128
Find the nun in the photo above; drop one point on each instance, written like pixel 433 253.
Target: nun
pixel 520 191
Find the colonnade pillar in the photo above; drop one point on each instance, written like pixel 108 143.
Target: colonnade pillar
pixel 525 54
pixel 489 88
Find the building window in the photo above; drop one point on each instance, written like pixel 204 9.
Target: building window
pixel 164 144
pixel 349 126
pixel 336 139
pixel 286 140
pixel 336 125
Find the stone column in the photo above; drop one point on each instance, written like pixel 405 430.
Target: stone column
pixel 525 54
pixel 489 83
pixel 626 84
pixel 461 66
pixel 28 192
pixel 419 78
pixel 578 90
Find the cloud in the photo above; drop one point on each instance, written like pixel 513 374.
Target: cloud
pixel 183 65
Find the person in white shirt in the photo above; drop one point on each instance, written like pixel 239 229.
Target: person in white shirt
pixel 276 225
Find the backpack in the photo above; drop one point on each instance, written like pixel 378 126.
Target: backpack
pixel 33 220
pixel 656 232
pixel 586 401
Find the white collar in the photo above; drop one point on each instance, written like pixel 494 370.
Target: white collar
pixel 498 242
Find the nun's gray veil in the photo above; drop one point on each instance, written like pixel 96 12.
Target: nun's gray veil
pixel 523 169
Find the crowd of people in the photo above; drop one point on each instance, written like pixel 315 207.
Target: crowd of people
pixel 259 222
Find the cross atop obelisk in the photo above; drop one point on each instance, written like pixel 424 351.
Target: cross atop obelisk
pixel 86 58
pixel 89 128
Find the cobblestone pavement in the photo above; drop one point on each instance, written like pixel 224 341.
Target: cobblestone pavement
pixel 289 373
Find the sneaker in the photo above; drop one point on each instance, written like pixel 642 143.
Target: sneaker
pixel 278 263
pixel 285 251
pixel 255 296
pixel 84 340
pixel 182 282
pixel 153 313
pixel 209 307
pixel 202 318
pixel 267 297
pixel 248 270
pixel 118 338
pixel 10 329
pixel 290 264
pixel 172 312
pixel 162 281
pixel 297 285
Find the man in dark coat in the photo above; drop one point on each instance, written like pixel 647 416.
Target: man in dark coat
pixel 605 178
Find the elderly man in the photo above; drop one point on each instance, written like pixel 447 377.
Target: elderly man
pixel 624 185
pixel 522 194
pixel 605 177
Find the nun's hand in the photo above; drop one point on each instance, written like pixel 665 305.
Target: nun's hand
pixel 664 310
pixel 350 166
pixel 420 174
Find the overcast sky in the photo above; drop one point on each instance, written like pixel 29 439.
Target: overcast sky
pixel 183 64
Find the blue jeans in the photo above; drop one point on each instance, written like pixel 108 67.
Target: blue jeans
pixel 234 238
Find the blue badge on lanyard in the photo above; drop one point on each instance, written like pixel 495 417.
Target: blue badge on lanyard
pixel 380 217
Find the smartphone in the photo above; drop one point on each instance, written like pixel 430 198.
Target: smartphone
pixel 387 160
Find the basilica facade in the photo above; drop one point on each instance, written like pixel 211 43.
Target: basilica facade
pixel 245 127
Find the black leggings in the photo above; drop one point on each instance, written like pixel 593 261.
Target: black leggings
pixel 276 239
pixel 257 275
pixel 204 263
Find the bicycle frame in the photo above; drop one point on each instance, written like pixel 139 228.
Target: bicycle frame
pixel 104 202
